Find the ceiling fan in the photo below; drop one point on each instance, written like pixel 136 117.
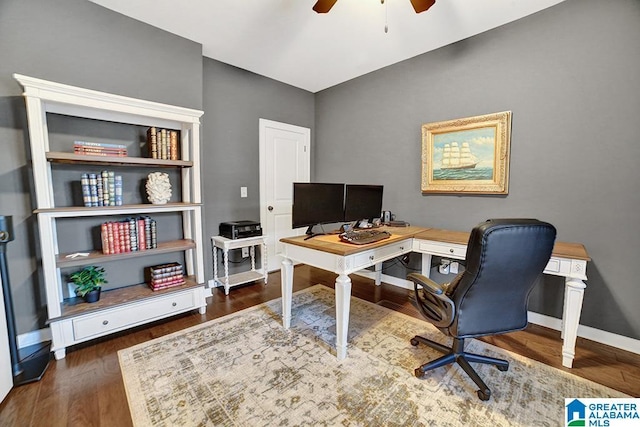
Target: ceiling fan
pixel 324 6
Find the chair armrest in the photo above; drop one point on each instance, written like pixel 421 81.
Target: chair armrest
pixel 426 283
pixel 434 304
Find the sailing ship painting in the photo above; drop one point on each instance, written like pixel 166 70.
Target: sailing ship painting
pixel 469 155
pixel 465 155
pixel 454 157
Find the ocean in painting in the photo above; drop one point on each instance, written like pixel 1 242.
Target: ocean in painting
pixel 463 174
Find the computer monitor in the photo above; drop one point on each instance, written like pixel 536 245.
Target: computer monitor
pixel 362 202
pixel 316 203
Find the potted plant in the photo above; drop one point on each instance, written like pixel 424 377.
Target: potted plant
pixel 89 282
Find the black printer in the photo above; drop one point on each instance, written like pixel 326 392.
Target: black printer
pixel 240 229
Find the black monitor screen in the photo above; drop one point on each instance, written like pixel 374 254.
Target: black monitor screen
pixel 362 202
pixel 316 203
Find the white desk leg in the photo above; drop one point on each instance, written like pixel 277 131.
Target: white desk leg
pixel 378 270
pixel 573 295
pixel 286 282
pixel 426 265
pixel 343 302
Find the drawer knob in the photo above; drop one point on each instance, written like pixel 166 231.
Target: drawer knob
pixel 105 322
pixel 371 257
pixel 451 250
pixel 402 248
pixel 174 304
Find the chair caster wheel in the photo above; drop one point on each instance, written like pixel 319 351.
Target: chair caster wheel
pixel 484 395
pixel 414 342
pixel 502 368
pixel 418 373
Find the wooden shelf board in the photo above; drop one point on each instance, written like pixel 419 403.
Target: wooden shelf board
pixel 240 278
pixel 61 157
pixel 73 307
pixel 97 256
pixel 107 210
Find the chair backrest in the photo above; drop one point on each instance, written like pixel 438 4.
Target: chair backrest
pixel 505 258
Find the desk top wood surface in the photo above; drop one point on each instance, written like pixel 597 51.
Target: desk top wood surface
pixel 560 249
pixel 331 243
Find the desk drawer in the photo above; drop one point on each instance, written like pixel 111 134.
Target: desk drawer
pixel 450 250
pixel 374 256
pixel 124 317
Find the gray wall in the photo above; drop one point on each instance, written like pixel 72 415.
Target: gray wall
pixel 79 43
pixel 570 75
pixel 234 101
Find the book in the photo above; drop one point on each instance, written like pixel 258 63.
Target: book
pixel 173 145
pixel 152 142
pixel 93 189
pixel 117 187
pixel 163 143
pixel 104 234
pixel 86 190
pixel 99 149
pixel 101 189
pixel 90 144
pixel 99 152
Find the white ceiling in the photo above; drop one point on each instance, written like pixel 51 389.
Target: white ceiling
pixel 287 41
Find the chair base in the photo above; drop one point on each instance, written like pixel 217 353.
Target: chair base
pixel 456 354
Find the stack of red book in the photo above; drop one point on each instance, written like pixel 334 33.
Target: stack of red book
pixel 99 149
pixel 165 276
pixel 129 235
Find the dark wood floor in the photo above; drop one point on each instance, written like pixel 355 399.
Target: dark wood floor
pixel 86 389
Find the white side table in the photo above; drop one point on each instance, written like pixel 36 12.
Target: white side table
pixel 219 242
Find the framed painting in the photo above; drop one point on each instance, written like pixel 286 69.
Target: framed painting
pixel 467 156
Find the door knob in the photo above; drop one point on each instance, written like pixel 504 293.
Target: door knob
pixel 270 208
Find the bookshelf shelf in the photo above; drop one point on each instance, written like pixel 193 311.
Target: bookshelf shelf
pixel 64 260
pixel 72 321
pixel 70 158
pixel 77 211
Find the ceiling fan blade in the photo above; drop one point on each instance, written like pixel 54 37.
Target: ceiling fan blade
pixel 324 6
pixel 421 5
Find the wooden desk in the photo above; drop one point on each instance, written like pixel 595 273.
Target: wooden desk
pixel 329 253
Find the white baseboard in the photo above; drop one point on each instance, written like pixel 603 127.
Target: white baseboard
pixel 33 338
pixel 593 334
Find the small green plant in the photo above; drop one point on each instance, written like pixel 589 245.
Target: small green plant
pixel 88 279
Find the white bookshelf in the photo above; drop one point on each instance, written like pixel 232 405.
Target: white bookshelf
pixel 133 304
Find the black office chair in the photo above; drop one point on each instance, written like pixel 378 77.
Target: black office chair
pixel 505 258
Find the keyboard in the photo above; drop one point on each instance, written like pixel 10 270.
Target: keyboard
pixel 362 237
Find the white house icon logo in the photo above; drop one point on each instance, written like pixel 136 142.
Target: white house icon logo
pixel 575 411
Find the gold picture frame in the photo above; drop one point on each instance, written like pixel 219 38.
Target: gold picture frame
pixel 467 156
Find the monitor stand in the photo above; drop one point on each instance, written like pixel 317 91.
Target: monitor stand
pixel 311 234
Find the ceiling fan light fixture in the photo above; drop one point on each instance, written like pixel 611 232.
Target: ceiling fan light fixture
pixel 422 5
pixel 323 6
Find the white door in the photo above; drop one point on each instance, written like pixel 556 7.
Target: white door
pixel 6 372
pixel 284 159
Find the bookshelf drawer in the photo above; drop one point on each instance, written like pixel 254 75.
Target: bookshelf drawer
pixel 108 321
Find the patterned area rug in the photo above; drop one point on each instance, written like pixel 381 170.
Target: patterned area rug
pixel 246 370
